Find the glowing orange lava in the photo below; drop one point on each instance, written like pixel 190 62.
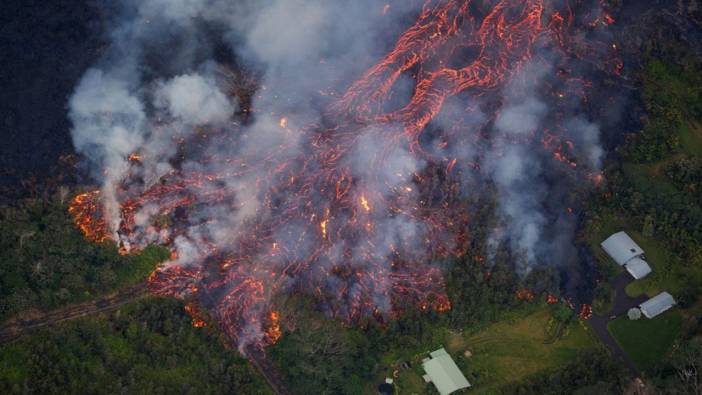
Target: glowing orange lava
pixel 333 245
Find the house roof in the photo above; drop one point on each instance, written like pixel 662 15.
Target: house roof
pixel 638 268
pixel 621 248
pixel 657 304
pixel 444 373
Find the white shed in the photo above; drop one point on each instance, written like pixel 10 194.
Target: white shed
pixel 657 304
pixel 626 253
pixel 621 248
pixel 638 268
pixel 443 372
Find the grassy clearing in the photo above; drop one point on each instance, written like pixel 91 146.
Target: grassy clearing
pixel 140 266
pixel 410 381
pixel 663 264
pixel 513 349
pixel 517 338
pixel 646 341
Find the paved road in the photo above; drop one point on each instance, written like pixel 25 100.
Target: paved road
pixel 16 327
pixel 622 303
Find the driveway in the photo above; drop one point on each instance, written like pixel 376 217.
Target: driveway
pixel 622 303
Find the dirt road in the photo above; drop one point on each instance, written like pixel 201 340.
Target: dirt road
pixel 17 327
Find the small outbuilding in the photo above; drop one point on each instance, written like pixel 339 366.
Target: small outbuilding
pixel 638 268
pixel 443 372
pixel 657 304
pixel 624 250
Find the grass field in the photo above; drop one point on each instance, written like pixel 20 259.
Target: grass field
pixel 646 341
pixel 502 353
pixel 511 350
pixel 666 269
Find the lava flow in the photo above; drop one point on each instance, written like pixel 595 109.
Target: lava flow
pixel 359 237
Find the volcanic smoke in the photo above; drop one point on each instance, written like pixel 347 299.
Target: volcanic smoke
pixel 344 190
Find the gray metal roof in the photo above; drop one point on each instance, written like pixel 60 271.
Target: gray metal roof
pixel 657 304
pixel 638 268
pixel 621 247
pixel 444 373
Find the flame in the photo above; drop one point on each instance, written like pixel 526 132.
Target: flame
pixel 273 333
pixel 194 313
pixel 364 203
pixel 283 122
pixel 585 312
pixel 324 223
pixel 85 210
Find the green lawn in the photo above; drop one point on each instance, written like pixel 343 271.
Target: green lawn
pixel 514 349
pixel 410 381
pixel 666 269
pixel 502 353
pixel 646 341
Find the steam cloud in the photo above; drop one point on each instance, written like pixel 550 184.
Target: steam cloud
pixel 160 83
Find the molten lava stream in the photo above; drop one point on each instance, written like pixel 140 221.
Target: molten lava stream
pixel 334 226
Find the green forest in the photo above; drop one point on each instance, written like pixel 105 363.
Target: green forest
pixel 149 347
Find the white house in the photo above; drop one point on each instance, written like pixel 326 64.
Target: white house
pixel 626 253
pixel 443 372
pixel 657 304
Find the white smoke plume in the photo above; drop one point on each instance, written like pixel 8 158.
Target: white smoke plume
pixel 531 199
pixel 193 99
pixel 161 91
